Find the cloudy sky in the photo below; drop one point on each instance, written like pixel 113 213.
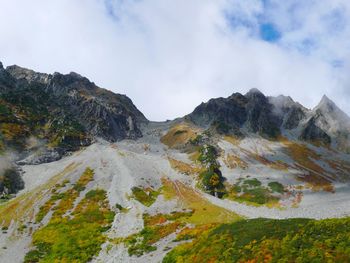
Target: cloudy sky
pixel 170 55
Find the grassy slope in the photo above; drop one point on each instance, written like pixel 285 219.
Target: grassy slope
pixel 268 240
pixel 73 233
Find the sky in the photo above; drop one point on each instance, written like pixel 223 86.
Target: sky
pixel 169 56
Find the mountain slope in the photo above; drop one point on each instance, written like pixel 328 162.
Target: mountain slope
pixel 60 113
pixel 274 116
pixel 327 123
pixel 193 189
pixel 237 113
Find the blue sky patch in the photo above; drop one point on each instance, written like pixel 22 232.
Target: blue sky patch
pixel 269 32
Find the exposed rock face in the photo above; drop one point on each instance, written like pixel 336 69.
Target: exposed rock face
pixel 64 111
pixel 270 116
pixel 103 113
pixel 226 114
pixel 252 111
pixel 311 132
pixel 260 116
pixel 288 111
pixel 328 124
pixel 292 118
pixel 42 156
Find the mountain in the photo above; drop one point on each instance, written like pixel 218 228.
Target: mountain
pixel 275 116
pixel 238 113
pixel 53 114
pixel 327 123
pixel 85 177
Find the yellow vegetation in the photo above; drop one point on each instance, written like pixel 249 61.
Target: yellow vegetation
pixel 234 161
pixel 194 156
pixel 183 167
pixel 74 236
pixel 277 165
pixel 204 212
pixel 304 160
pixel 179 135
pixel 194 232
pixel 11 131
pixel 341 166
pixel 232 139
pixel 22 207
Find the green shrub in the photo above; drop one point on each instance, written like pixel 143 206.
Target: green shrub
pixel 208 155
pixel 252 182
pixel 197 140
pixel 145 198
pixel 269 240
pixel 72 236
pixel 276 187
pixel 75 238
pixel 178 132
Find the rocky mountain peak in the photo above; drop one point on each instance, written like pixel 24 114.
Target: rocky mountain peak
pixel 251 112
pixel 66 111
pixel 326 105
pixel 327 123
pixel 254 93
pixel 282 101
pixel 29 75
pixel 271 116
pixel 331 112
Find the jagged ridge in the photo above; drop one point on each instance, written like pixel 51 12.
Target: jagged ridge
pixel 273 116
pixel 60 113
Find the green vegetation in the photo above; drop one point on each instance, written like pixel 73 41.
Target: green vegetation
pixel 208 155
pixel 24 113
pixel 259 195
pixel 67 198
pixel 211 178
pixel 221 127
pixel 251 191
pixel 145 196
pixel 121 208
pixel 4 111
pixel 143 242
pixel 47 206
pixel 252 183
pixel 193 201
pixel 11 179
pixel 198 140
pixel 276 187
pixel 156 228
pixel 268 240
pixel 212 181
pixel 162 218
pixel 178 132
pixel 73 235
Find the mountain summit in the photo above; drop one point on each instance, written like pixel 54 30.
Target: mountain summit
pixel 63 112
pixel 273 116
pixel 328 123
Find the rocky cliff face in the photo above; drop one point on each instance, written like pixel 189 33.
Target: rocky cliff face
pixel 328 124
pixel 51 114
pixel 238 113
pixel 272 116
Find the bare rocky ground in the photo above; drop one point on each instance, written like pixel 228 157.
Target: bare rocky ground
pixel 120 166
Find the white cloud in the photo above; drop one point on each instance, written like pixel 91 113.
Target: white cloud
pixel 168 56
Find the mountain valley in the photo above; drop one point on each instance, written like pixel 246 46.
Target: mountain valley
pixel 85 177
